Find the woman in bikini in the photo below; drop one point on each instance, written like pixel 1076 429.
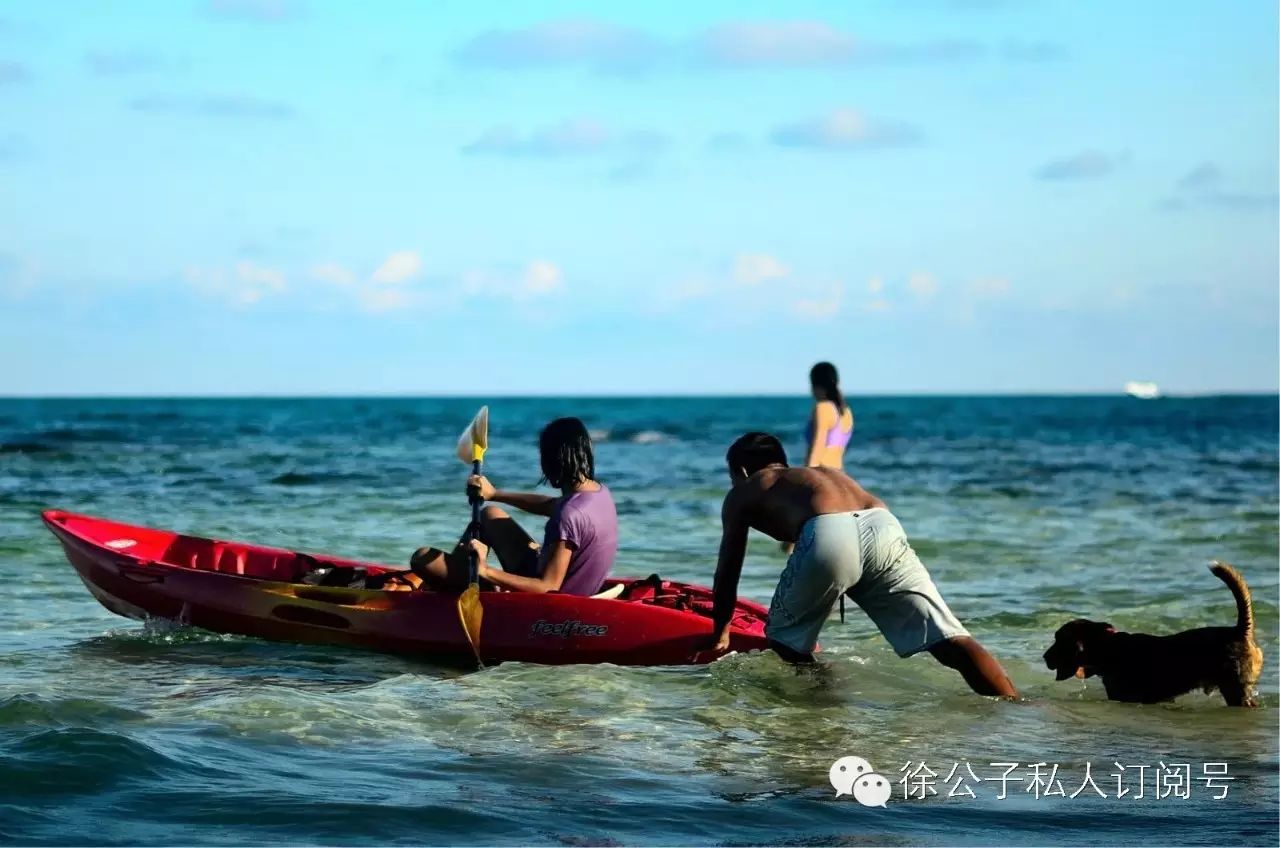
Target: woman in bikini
pixel 831 422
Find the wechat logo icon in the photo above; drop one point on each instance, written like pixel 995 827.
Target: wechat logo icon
pixel 855 776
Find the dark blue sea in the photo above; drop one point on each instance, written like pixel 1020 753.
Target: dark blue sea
pixel 1027 511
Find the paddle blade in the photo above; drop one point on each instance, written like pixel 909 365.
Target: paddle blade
pixel 471 613
pixel 475 439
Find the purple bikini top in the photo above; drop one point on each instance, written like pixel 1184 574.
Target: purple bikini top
pixel 836 436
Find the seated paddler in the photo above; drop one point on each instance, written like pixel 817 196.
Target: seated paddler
pixel 580 538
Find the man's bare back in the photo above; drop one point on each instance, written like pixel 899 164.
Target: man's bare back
pixel 778 500
pixel 785 502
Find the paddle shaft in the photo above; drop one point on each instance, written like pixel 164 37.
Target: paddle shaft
pixel 473 558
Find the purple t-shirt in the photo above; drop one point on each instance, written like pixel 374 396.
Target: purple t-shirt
pixel 589 522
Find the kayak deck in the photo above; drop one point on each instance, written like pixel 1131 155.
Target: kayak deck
pixel 253 590
pixel 198 553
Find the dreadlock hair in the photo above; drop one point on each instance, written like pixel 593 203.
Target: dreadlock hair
pixel 826 382
pixel 754 451
pixel 564 447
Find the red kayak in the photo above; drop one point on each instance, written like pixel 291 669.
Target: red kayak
pixel 251 590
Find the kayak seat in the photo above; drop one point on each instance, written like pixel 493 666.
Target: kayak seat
pixel 610 593
pixel 230 561
pixel 644 590
pixel 227 558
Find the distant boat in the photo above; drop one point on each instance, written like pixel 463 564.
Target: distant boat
pixel 1145 391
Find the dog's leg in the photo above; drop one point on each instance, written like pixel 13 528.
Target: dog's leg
pixel 1236 694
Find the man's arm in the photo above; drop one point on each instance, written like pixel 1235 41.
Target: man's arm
pixel 552 576
pixel 733 550
pixel 526 501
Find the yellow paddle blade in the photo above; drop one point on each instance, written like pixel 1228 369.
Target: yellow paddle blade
pixel 475 439
pixel 471 613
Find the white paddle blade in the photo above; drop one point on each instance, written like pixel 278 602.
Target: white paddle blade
pixel 475 439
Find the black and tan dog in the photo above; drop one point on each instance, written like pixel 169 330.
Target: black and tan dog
pixel 1146 669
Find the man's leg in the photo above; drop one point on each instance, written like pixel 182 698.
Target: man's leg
pixel 790 655
pixel 817 572
pixel 902 600
pixel 499 531
pixel 442 570
pixel 505 537
pixel 978 668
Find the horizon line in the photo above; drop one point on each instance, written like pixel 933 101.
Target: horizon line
pixel 636 396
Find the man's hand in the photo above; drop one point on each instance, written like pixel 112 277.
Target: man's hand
pixel 479 486
pixel 481 549
pixel 718 642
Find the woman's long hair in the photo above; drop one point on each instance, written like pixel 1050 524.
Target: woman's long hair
pixel 564 448
pixel 826 384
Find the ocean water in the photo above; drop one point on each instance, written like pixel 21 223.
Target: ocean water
pixel 1027 511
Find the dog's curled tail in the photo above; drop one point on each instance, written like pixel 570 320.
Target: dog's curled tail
pixel 1244 601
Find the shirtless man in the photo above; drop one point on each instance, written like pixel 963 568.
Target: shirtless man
pixel 846 541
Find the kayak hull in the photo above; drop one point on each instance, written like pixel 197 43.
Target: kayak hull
pixel 251 590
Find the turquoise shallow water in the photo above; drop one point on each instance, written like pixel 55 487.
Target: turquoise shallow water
pixel 1028 512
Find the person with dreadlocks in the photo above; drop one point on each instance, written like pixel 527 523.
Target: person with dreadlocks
pixel 581 536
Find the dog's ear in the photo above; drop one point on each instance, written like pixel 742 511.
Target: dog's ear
pixel 1088 650
pixel 1066 655
pixel 1074 664
pixel 1081 670
pixel 1063 656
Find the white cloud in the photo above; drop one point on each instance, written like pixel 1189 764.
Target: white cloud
pixel 751 269
pixel 608 47
pixel 1204 176
pixel 820 308
pixel 382 291
pixel 572 137
pixel 604 46
pixel 1085 165
pixel 745 43
pixel 331 272
pixel 1203 187
pixel 542 277
pixel 398 267
pixel 875 285
pixel 392 286
pixel 259 276
pixel 924 286
pixel 245 284
pixel 844 129
pixel 537 279
pixel 877 305
pixel 383 299
pixel 105 63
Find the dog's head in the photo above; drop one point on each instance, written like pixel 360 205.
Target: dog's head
pixel 1074 651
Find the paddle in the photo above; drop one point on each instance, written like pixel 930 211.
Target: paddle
pixel 471 447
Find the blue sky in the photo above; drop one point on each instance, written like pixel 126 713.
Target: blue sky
pixel 308 197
